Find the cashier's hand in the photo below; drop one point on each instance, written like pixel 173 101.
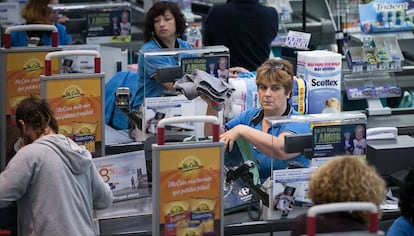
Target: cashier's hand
pixel 233 71
pixel 230 136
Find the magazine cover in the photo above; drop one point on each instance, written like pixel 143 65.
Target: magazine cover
pixel 126 174
pixel 216 65
pixel 340 139
pixel 109 26
pixel 288 191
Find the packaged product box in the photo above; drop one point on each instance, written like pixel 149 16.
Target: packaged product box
pixel 322 72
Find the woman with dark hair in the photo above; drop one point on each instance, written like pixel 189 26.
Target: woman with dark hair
pixel 404 225
pixel 164 27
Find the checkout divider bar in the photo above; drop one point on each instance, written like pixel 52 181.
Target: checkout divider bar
pixel 49 56
pixel 184 119
pixel 30 27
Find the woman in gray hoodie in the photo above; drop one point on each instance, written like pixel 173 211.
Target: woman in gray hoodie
pixel 53 180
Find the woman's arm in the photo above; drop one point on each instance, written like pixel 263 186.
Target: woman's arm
pixel 270 145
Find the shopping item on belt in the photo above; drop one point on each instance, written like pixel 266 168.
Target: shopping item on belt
pixel 201 83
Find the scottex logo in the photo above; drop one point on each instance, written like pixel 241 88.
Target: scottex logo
pixel 190 163
pixel 72 92
pixel 325 83
pixel 32 65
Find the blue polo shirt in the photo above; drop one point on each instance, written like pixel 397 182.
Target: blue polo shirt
pixel 401 226
pixel 253 118
pixel 146 76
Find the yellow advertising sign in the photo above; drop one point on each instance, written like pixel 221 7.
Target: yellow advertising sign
pixel 190 191
pixel 23 76
pixel 77 105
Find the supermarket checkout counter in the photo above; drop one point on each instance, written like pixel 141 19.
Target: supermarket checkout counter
pixel 133 217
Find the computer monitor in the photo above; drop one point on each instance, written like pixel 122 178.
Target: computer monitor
pixel 77 27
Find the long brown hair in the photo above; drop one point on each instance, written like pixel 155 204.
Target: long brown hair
pixel 37 12
pixel 36 113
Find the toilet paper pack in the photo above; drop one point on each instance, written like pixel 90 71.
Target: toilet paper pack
pixel 322 72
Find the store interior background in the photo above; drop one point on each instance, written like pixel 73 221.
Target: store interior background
pixel 321 18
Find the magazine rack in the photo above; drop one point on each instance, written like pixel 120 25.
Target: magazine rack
pixel 172 104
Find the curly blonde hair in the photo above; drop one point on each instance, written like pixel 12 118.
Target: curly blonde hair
pixel 347 179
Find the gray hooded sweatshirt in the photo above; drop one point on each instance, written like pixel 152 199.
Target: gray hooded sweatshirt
pixel 56 186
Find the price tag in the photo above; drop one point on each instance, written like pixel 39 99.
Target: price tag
pixel 382 66
pixel 297 39
pixel 371 67
pixel 357 68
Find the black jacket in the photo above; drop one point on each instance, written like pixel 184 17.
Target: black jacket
pixel 246 27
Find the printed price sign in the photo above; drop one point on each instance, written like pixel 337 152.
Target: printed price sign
pixel 297 39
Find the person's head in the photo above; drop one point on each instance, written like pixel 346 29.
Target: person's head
pixel 34 117
pixel 274 79
pixel 347 179
pixel 125 16
pixel 223 63
pixel 347 135
pixel 38 12
pixel 164 19
pixel 359 132
pixel 406 198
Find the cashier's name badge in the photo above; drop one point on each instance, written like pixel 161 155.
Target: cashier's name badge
pixel 297 39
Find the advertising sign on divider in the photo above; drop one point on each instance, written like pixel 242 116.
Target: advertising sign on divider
pixel 77 101
pixel 187 188
pixel 77 104
pixel 125 173
pixel 20 71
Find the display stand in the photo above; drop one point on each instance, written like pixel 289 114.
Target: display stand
pixel 187 185
pixel 172 104
pixel 97 23
pixel 77 100
pixel 371 66
pixel 20 70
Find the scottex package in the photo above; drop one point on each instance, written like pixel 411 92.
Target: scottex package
pixel 299 98
pixel 322 72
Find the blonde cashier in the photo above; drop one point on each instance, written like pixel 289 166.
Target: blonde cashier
pixel 274 79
